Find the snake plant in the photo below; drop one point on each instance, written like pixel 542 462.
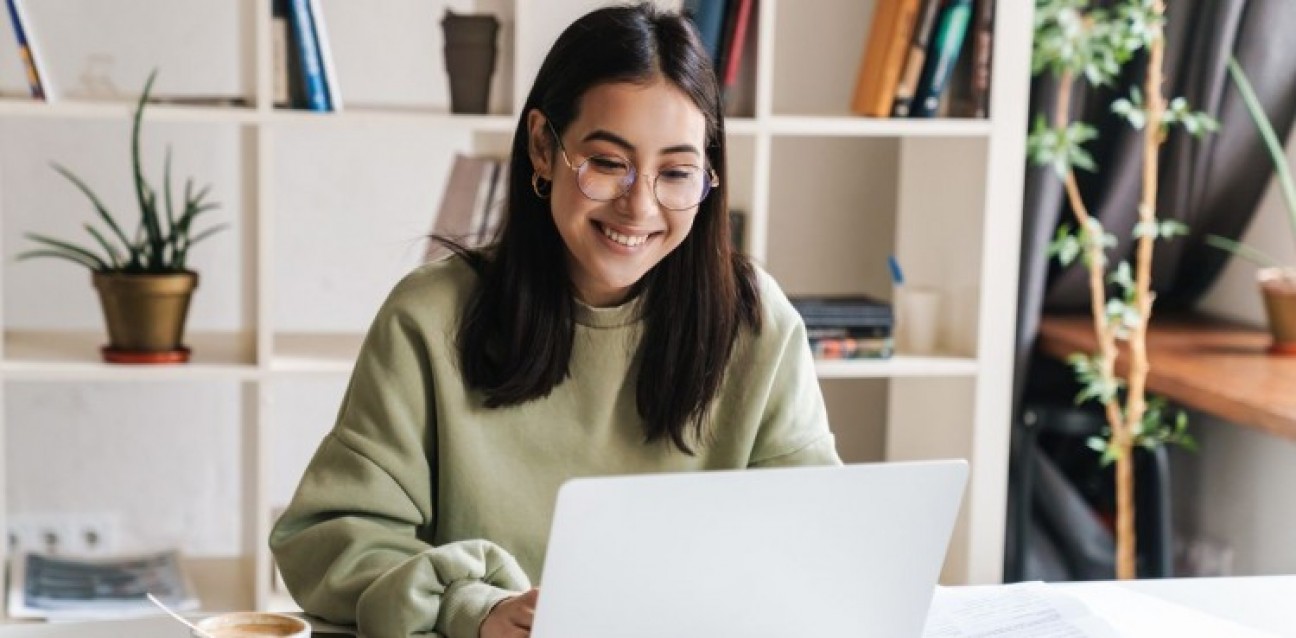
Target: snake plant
pixel 164 234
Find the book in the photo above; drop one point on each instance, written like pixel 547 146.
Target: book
pixel 56 587
pixel 907 83
pixel 942 54
pixel 308 54
pixel 843 311
pixel 735 43
pixel 38 77
pixel 851 348
pixel 708 16
pixel 982 55
pixel 884 56
pixel 281 47
pixel 326 56
pixel 471 205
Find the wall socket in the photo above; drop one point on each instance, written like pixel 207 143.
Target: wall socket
pixel 67 533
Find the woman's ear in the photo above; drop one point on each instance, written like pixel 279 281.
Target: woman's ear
pixel 539 143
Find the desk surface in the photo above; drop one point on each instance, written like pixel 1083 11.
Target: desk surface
pixel 1210 366
pixel 1259 602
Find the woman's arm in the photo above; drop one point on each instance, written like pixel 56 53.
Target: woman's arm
pixel 794 425
pixel 353 546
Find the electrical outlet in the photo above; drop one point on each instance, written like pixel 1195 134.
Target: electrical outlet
pixel 69 533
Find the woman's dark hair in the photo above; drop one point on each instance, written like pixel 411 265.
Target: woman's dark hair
pixel 515 339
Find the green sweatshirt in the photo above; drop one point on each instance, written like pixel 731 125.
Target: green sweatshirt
pixel 422 508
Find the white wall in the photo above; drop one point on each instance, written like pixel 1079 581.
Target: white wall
pixel 1236 490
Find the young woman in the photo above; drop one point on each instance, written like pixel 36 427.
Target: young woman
pixel 610 329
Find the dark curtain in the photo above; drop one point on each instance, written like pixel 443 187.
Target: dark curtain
pixel 1211 184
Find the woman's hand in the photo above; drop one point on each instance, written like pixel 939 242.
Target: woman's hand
pixel 511 618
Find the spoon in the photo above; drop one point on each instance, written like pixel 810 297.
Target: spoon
pixel 178 617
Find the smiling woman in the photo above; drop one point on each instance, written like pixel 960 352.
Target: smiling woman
pixel 610 328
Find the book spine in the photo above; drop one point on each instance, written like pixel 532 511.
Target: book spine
pixel 941 57
pixel 910 73
pixel 849 348
pixel 982 54
pixel 35 77
pixel 326 56
pixel 884 57
pixel 280 54
pixel 312 73
pixel 733 59
pixel 708 15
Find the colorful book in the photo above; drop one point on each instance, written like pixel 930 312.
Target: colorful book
pixel 736 42
pixel 884 56
pixel 911 72
pixel 849 348
pixel 38 77
pixel 326 56
pixel 982 55
pixel 942 55
pixel 708 16
pixel 308 53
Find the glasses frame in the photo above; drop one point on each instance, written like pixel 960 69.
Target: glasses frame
pixel 635 174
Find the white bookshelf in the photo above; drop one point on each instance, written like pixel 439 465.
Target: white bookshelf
pixel 829 196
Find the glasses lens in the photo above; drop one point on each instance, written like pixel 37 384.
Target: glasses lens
pixel 681 187
pixel 604 178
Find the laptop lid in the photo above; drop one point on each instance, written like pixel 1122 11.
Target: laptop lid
pixel 808 551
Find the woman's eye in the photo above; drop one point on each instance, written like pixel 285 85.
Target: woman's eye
pixel 679 173
pixel 610 165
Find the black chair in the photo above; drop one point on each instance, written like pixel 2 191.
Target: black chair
pixel 1059 497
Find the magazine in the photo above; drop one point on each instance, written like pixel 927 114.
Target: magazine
pixel 58 587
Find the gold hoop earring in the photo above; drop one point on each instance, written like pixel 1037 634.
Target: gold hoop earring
pixel 537 183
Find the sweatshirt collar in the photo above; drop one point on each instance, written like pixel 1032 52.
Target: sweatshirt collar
pixel 612 317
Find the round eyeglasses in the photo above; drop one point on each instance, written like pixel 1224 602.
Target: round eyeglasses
pixel 604 178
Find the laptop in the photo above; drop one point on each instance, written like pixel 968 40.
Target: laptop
pixel 841 551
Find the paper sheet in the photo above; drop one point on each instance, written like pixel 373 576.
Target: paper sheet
pixel 1082 610
pixel 1023 610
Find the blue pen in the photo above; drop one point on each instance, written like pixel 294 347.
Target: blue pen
pixel 897 276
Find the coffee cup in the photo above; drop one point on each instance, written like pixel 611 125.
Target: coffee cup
pixel 254 624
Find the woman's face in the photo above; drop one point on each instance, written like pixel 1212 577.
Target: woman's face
pixel 611 245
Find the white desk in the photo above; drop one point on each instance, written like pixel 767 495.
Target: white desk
pixel 1264 602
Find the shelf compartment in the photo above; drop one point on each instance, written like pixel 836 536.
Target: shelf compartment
pixel 396 115
pixel 852 126
pixel 74 355
pixel 897 366
pixel 324 353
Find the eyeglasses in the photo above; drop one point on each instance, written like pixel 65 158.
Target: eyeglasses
pixel 604 178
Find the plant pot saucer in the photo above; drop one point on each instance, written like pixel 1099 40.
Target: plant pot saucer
pixel 1286 348
pixel 113 355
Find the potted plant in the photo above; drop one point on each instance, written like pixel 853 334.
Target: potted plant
pixel 143 279
pixel 1077 43
pixel 1277 282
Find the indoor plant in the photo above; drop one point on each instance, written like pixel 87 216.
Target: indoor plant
pixel 142 278
pixel 1277 282
pixel 1074 43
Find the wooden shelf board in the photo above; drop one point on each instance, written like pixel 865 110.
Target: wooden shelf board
pixel 897 366
pixel 67 355
pixel 315 352
pixel 1212 366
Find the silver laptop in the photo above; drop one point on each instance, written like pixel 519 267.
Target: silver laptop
pixel 798 552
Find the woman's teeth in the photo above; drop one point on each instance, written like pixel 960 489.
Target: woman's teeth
pixel 625 240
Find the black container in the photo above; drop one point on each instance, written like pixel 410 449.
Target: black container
pixel 470 59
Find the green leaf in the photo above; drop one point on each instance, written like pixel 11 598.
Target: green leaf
pixel 94 200
pixel 1272 144
pixel 72 257
pixel 70 248
pixel 1244 251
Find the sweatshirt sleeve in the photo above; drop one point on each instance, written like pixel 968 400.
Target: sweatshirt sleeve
pixel 794 426
pixel 353 544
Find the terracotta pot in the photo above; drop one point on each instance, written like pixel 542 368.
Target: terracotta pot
pixel 1278 286
pixel 146 315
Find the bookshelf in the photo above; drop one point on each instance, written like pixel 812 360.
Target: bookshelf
pixel 328 209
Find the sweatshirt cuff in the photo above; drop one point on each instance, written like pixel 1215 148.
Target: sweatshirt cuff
pixel 465 605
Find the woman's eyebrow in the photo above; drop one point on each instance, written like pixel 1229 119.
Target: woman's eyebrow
pixel 608 136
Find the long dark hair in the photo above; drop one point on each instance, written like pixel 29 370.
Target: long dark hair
pixel 515 339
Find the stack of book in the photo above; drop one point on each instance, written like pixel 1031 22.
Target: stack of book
pixel 848 327
pixel 910 55
pixel 723 25
pixel 472 205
